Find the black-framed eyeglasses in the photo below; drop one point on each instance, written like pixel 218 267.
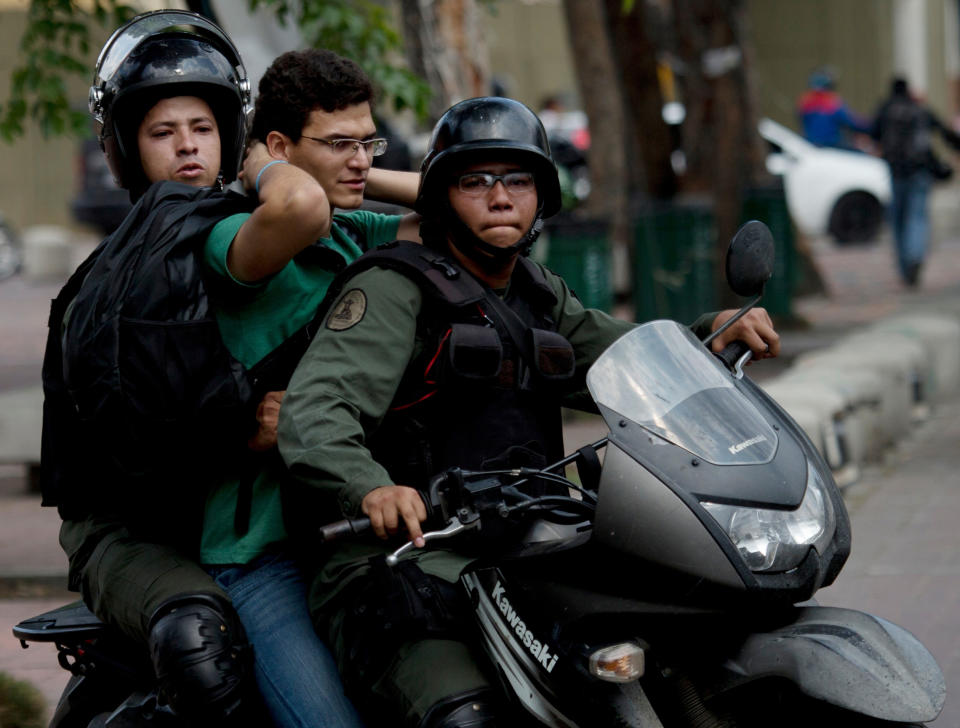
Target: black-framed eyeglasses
pixel 476 184
pixel 348 147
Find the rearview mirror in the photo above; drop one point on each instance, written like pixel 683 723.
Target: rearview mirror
pixel 750 259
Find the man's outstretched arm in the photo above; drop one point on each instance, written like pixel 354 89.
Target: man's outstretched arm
pixel 397 188
pixel 340 392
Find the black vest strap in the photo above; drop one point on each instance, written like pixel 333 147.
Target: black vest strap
pixel 441 277
pixel 437 275
pixel 467 415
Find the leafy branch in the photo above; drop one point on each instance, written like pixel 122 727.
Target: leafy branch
pixel 362 31
pixel 55 44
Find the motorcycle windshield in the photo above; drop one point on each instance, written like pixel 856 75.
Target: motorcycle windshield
pixel 662 378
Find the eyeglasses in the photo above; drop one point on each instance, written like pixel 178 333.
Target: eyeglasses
pixel 477 184
pixel 349 147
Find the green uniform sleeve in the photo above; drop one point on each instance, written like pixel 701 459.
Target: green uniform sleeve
pixel 345 384
pixel 589 330
pixel 701 327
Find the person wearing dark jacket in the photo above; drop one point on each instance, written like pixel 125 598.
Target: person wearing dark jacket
pixel 415 370
pixel 904 127
pixel 172 104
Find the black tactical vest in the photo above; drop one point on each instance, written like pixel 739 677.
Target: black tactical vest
pixel 484 391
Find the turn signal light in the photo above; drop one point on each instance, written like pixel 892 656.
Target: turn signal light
pixel 620 663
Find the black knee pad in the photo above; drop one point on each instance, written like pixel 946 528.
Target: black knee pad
pixel 477 709
pixel 201 656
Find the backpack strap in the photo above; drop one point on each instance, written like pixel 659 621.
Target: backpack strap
pixel 351 230
pixel 273 372
pixel 321 255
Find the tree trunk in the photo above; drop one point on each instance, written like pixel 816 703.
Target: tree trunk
pixel 445 45
pixel 719 129
pixel 650 139
pixel 600 92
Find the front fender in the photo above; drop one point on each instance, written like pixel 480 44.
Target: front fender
pixel 849 659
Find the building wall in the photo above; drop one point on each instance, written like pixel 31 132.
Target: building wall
pixel 790 38
pixel 530 57
pixel 529 51
pixel 38 176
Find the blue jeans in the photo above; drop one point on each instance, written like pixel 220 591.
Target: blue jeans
pixel 294 669
pixel 910 220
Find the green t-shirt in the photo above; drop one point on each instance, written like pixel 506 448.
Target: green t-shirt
pixel 254 319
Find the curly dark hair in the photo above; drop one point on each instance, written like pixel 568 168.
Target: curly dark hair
pixel 299 82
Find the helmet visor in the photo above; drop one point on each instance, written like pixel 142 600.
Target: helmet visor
pixel 127 37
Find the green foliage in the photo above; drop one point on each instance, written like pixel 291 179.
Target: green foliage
pixel 362 31
pixel 21 704
pixel 55 45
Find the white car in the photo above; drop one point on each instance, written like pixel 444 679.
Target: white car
pixel 828 191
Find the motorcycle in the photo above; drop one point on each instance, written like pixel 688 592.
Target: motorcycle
pixel 671 584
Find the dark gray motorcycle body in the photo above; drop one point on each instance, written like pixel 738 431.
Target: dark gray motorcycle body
pixel 654 567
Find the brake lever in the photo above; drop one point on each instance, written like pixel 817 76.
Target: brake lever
pixel 454 527
pixel 741 363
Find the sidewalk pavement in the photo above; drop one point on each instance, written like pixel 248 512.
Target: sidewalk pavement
pixel 862 287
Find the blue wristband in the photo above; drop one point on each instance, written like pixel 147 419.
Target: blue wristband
pixel 256 185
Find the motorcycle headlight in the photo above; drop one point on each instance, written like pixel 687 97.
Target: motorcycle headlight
pixel 777 540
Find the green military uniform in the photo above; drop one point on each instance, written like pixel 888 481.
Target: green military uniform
pixel 338 396
pixel 254 319
pixel 125 578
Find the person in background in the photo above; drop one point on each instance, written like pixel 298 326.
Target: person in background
pixel 903 127
pixel 824 116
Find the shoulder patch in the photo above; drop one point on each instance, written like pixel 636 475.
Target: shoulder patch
pixel 348 311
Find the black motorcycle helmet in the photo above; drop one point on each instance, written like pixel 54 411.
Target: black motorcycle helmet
pixel 155 56
pixel 476 130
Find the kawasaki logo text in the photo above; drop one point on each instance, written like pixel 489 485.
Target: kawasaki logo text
pixel 540 650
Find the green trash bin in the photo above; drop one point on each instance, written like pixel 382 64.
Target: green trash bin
pixel 675 261
pixel 579 252
pixel 769 205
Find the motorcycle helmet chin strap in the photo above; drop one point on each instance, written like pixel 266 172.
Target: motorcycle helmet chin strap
pixel 490 257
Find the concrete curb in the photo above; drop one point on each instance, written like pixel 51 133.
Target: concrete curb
pixel 857 398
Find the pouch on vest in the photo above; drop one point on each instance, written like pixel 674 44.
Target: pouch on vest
pixel 553 356
pixel 475 352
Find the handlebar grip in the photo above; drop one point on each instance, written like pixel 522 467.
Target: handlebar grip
pixel 732 352
pixel 346 527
